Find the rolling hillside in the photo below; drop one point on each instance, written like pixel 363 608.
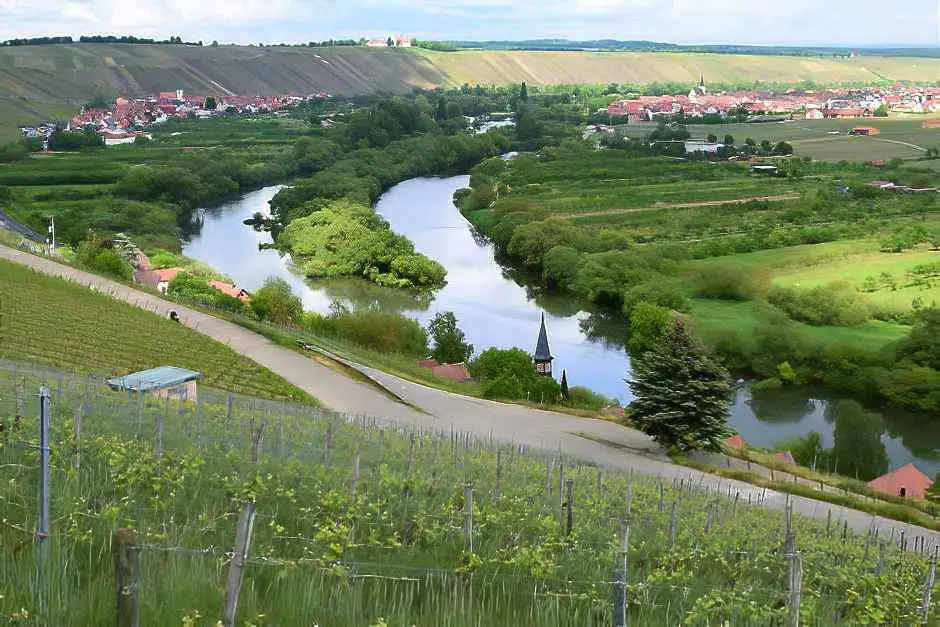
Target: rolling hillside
pixel 49 81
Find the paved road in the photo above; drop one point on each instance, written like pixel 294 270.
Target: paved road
pixel 445 411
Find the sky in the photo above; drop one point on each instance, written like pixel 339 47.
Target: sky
pixel 796 22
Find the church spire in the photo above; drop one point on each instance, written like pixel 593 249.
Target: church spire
pixel 543 355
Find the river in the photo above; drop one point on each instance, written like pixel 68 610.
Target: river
pixel 495 308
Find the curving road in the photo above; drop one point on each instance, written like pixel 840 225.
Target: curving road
pixel 444 410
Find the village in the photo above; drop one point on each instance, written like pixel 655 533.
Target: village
pixel 128 118
pixel 829 103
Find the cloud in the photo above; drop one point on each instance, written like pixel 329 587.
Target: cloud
pixel 846 22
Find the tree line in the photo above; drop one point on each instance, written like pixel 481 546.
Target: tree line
pixel 97 39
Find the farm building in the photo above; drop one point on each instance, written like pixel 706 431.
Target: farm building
pixel 230 290
pixel 907 481
pixel 454 372
pixel 162 382
pixel 865 131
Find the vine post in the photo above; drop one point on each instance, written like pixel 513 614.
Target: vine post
pixel 42 535
pixel 621 569
pixel 246 523
pixel 468 517
pixel 124 545
pixel 928 589
pixel 795 583
pixel 569 507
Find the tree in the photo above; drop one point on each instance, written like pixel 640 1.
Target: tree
pixel 682 394
pixel 712 138
pixel 783 148
pixel 390 43
pixel 210 104
pixel 729 140
pixel 496 362
pixel 648 324
pixel 450 346
pixel 564 385
pixel 523 93
pixel 276 303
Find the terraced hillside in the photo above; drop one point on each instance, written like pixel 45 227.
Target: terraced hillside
pixel 44 81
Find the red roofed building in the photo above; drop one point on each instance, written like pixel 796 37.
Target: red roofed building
pixel 736 442
pixel 454 372
pixel 907 481
pixel 785 457
pixel 231 290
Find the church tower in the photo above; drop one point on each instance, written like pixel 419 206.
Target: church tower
pixel 702 90
pixel 543 355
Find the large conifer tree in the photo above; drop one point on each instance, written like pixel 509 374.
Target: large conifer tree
pixel 682 394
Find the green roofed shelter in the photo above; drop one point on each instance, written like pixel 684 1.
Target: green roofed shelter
pixel 163 381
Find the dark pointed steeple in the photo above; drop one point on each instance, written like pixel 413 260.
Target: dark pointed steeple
pixel 701 82
pixel 543 355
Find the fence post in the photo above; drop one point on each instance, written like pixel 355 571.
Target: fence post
pixel 356 473
pixel 662 496
pixel 78 436
pixel 125 572
pixel 881 558
pixel 561 484
pixel 796 583
pixel 673 525
pixel 45 402
pixel 246 523
pixel 499 470
pixel 569 489
pixel 468 517
pixel 928 589
pixel 160 426
pixel 328 442
pixel 549 466
pixel 620 581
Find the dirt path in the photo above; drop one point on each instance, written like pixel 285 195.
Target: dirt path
pixel 682 205
pixel 598 441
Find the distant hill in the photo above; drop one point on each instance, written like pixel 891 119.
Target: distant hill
pixel 43 81
pixel 660 46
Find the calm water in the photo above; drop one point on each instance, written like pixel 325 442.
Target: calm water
pixel 494 308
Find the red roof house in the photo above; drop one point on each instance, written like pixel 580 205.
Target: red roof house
pixel 230 290
pixel 735 442
pixel 785 457
pixel 454 372
pixel 907 481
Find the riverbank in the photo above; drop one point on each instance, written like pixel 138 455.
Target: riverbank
pixel 622 226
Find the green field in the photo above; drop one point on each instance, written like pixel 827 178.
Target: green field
pixel 208 161
pixel 850 262
pixel 356 523
pixel 901 136
pixel 51 321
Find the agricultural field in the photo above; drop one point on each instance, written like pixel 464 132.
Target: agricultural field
pixel 900 137
pixel 51 321
pixel 501 67
pixel 356 524
pixel 891 280
pixel 149 192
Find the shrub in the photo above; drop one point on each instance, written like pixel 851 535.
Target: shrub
pixel 731 282
pixel 379 331
pixel 586 398
pixel 822 306
pixel 275 302
pixel 648 324
pixel 664 293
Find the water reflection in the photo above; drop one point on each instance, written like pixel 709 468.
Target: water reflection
pixel 787 405
pixel 858 451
